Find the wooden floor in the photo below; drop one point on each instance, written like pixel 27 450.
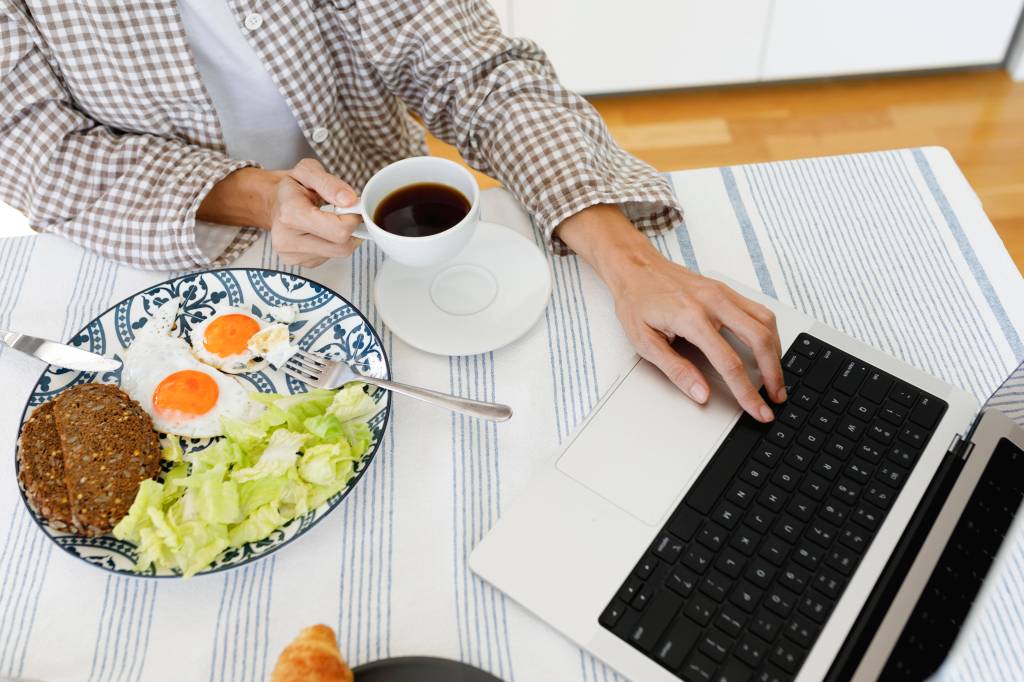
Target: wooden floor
pixel 978 116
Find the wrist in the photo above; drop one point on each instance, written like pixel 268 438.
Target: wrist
pixel 605 238
pixel 244 197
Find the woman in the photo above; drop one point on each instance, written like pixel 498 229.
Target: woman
pixel 165 134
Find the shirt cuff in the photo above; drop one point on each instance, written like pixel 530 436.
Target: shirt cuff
pixel 211 244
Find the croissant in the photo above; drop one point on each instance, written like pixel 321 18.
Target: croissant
pixel 313 656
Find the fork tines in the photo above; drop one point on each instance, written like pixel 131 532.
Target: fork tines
pixel 306 365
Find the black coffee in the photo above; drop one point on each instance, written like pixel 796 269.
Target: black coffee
pixel 421 210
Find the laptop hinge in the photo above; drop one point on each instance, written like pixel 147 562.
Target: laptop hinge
pixel 960 447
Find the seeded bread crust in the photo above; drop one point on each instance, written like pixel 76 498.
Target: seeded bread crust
pixel 109 448
pixel 41 469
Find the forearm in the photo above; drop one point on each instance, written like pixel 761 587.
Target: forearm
pixel 242 198
pixel 608 241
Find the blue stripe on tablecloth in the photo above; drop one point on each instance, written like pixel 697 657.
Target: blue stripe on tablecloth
pixel 480 610
pixel 747 229
pixel 682 233
pixel 243 623
pixel 968 253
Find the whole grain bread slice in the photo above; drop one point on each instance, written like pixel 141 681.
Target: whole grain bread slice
pixel 41 469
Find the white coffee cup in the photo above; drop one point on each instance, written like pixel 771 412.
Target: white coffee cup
pixel 416 251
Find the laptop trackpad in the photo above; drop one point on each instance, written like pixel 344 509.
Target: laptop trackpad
pixel 648 443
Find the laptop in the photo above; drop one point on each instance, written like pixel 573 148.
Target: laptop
pixel 679 541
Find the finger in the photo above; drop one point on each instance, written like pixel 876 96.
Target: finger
pixel 655 348
pixel 724 359
pixel 311 173
pixel 301 259
pixel 762 314
pixel 309 218
pixel 313 246
pixel 762 342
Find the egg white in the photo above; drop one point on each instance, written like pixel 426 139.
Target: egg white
pixel 246 361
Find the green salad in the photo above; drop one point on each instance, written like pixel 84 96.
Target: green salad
pixel 302 450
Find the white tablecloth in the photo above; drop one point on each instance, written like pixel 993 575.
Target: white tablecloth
pixel 892 248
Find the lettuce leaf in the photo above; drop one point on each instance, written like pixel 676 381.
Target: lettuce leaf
pixel 352 402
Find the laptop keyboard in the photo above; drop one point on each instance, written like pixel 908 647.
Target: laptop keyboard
pixel 739 582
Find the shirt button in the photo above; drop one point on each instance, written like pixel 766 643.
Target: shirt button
pixel 253 21
pixel 320 134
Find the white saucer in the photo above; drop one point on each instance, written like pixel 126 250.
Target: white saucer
pixel 484 298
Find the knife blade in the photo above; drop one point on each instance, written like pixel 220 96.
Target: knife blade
pixel 58 354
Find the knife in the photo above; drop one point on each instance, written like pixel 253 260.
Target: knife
pixel 58 354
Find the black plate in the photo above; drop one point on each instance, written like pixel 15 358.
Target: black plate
pixel 420 669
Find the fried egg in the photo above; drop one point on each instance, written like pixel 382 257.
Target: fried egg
pixel 182 395
pixel 235 341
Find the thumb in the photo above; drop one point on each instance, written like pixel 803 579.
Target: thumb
pixel 312 175
pixel 656 349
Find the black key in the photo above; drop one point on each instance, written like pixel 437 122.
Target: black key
pixel 768 454
pixel 788 529
pixel 808 555
pixel 926 412
pixel 904 394
pixel 698 668
pixel 804 397
pixel 720 471
pixel 823 370
pixel 792 415
pixel 727 514
pixel 730 562
pixel 789 381
pixel 802 507
pixel 870 450
pixel 780 601
pixel 822 533
pixel 780 434
pixel 913 436
pixel 759 519
pixel 879 495
pixel 714 645
pixel 786 478
pixel 668 548
pixel 766 626
pixel 787 656
pixel 681 581
pixel 834 512
pixel 851 374
pixel 677 643
pixel 846 491
pixel 903 455
pixel 894 413
pixel 801 630
pixel 741 494
pixel 814 486
pixel 854 538
pixel 891 474
pixel 882 431
pixel 835 402
pixel 850 428
pixel 624 628
pixel 796 363
pixel 863 409
pixel 867 516
pixel 697 558
pixel 746 596
pixel 734 671
pixel 645 566
pixel 715 585
pixel 731 620
pixel 771 673
pixel 839 446
pixel 807 346
pixel 827 466
pixel 685 522
pixel 773 498
pixel 823 419
pixel 859 471
pixel 811 438
pixel 712 536
pixel 876 386
pixel 815 606
pixel 775 549
pixel 761 573
pixel 754 473
pixel 700 609
pixel 829 583
pixel 841 559
pixel 630 589
pixel 798 458
pixel 643 597
pixel 794 578
pixel 751 650
pixel 612 614
pixel 745 540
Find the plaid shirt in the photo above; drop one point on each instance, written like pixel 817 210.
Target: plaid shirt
pixel 109 137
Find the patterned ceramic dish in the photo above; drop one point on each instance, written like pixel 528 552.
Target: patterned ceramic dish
pixel 326 324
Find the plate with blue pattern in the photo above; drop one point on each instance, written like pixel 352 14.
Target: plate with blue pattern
pixel 326 324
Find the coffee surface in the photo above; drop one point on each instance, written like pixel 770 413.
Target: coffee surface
pixel 421 210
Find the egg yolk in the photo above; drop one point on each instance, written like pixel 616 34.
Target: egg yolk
pixel 229 334
pixel 187 393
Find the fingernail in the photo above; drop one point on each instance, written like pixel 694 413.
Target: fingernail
pixel 344 198
pixel 766 413
pixel 698 392
pixel 782 395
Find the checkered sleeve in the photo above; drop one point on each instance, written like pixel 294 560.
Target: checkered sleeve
pixel 130 197
pixel 497 99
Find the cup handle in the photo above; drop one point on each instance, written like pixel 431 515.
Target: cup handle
pixel 355 209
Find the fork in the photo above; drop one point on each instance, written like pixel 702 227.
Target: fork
pixel 323 373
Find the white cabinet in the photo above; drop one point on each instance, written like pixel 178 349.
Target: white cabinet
pixel 611 45
pixel 822 38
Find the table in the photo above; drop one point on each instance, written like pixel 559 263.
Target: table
pixel 891 247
